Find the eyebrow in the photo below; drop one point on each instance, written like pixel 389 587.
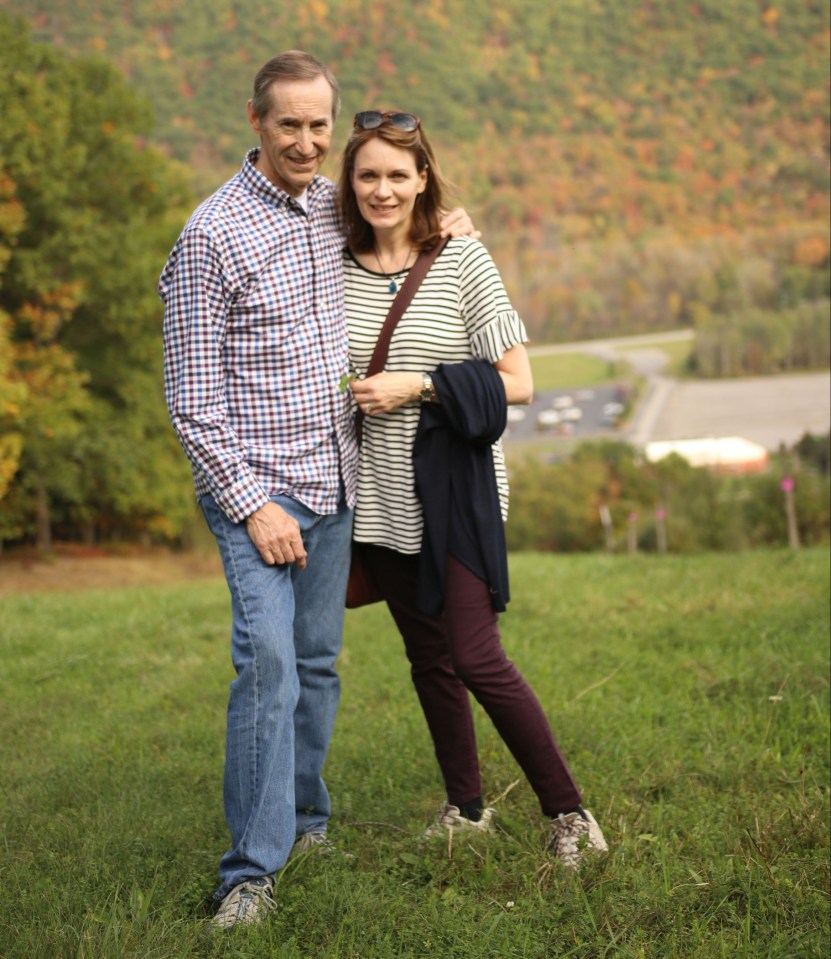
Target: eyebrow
pixel 296 120
pixel 371 169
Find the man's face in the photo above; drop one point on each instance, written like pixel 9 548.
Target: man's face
pixel 295 134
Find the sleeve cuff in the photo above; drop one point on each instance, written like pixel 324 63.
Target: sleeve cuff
pixel 242 499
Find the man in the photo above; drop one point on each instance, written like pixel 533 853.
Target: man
pixel 255 350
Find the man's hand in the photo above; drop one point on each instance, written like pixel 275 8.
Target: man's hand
pixel 276 535
pixel 458 223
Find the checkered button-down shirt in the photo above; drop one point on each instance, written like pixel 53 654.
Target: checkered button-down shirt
pixel 256 344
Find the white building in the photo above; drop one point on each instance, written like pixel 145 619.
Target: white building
pixel 723 454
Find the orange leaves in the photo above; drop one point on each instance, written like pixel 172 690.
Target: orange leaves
pixel 12 215
pixel 770 18
pixel 46 317
pixel 386 64
pixel 320 9
pixel 686 158
pixel 812 251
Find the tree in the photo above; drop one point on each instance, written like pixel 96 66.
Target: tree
pixel 98 213
pixel 12 392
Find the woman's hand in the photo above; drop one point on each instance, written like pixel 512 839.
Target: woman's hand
pixel 386 391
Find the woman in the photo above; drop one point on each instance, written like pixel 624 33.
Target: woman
pixel 432 421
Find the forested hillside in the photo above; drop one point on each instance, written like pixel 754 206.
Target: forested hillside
pixel 634 165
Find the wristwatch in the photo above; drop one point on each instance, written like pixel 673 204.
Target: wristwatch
pixel 428 391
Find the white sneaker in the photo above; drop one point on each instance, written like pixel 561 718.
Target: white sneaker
pixel 246 903
pixel 572 836
pixel 450 819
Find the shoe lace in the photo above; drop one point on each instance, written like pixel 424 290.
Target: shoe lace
pixel 250 892
pixel 566 828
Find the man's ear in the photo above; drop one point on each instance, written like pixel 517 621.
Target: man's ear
pixel 253 119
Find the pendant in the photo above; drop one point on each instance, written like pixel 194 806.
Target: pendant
pixel 393 286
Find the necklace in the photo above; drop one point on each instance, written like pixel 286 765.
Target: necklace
pixel 396 273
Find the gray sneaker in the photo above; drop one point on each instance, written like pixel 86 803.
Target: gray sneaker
pixel 450 819
pixel 246 903
pixel 312 842
pixel 572 836
pixel 317 842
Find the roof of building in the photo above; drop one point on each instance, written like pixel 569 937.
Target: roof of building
pixel 728 452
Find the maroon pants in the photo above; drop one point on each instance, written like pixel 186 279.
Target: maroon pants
pixel 461 651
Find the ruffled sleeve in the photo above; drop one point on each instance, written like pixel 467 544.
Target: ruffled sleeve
pixel 493 325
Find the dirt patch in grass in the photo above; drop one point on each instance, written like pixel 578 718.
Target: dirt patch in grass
pixel 70 568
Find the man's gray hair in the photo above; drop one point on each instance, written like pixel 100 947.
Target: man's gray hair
pixel 290 66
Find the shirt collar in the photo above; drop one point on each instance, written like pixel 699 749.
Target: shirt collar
pixel 256 183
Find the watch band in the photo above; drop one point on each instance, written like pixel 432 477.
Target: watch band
pixel 428 391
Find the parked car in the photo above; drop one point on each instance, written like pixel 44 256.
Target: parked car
pixel 547 419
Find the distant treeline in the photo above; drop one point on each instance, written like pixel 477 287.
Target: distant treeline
pixel 559 507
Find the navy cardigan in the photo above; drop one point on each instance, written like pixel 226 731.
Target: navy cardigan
pixel 456 482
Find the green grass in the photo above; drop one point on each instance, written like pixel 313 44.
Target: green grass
pixel 563 371
pixel 689 694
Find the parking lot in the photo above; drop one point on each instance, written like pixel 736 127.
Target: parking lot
pixel 767 410
pixel 578 413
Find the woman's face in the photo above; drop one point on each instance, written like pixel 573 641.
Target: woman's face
pixel 386 184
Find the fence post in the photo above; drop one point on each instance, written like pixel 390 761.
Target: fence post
pixel 608 528
pixel 632 532
pixel 787 486
pixel 661 528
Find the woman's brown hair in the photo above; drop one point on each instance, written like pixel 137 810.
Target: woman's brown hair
pixel 429 205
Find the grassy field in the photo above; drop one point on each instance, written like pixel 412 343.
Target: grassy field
pixel 554 371
pixel 561 371
pixel 690 695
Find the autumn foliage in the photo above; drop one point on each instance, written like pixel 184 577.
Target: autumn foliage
pixel 633 165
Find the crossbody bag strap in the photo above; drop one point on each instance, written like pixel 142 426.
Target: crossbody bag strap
pixel 402 300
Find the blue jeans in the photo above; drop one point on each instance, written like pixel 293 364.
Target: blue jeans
pixel 286 635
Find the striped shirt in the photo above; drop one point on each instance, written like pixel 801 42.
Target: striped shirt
pixel 256 345
pixel 461 311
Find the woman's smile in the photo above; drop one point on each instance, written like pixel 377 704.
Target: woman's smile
pixel 386 184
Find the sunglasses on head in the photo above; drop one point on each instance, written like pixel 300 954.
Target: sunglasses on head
pixel 372 119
